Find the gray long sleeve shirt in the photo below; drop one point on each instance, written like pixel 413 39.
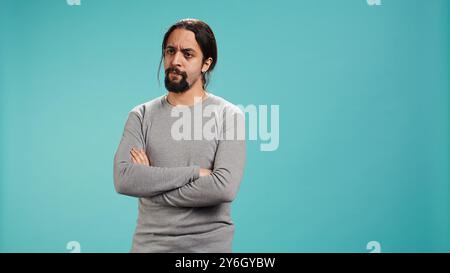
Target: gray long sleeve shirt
pixel 178 210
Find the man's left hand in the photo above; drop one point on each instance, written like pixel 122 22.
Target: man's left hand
pixel 139 157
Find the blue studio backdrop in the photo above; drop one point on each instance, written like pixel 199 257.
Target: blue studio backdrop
pixel 362 87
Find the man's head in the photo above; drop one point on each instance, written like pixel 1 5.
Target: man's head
pixel 189 52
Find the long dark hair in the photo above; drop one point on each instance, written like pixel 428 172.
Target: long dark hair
pixel 205 39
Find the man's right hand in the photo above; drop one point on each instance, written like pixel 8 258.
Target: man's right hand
pixel 204 172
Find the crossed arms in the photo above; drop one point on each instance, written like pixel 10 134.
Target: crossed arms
pixel 190 186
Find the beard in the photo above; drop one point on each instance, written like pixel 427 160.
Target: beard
pixel 175 86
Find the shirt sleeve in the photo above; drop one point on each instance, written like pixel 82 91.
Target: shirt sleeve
pixel 220 186
pixel 140 180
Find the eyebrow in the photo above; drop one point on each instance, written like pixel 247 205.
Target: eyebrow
pixel 184 49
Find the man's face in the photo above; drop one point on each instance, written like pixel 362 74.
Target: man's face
pixel 183 61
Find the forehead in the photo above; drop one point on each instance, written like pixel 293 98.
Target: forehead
pixel 182 38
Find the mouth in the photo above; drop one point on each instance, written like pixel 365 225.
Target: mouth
pixel 174 75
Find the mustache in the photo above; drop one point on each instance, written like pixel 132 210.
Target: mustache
pixel 176 71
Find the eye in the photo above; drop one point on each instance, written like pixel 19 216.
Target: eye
pixel 187 55
pixel 170 51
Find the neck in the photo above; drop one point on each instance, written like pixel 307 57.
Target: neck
pixel 187 98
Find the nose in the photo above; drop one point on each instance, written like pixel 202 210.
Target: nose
pixel 176 59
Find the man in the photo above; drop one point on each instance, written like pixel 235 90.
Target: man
pixel 185 185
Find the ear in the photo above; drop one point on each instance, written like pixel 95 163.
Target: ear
pixel 207 64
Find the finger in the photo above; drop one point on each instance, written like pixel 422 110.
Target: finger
pixel 144 155
pixel 133 158
pixel 136 157
pixel 147 160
